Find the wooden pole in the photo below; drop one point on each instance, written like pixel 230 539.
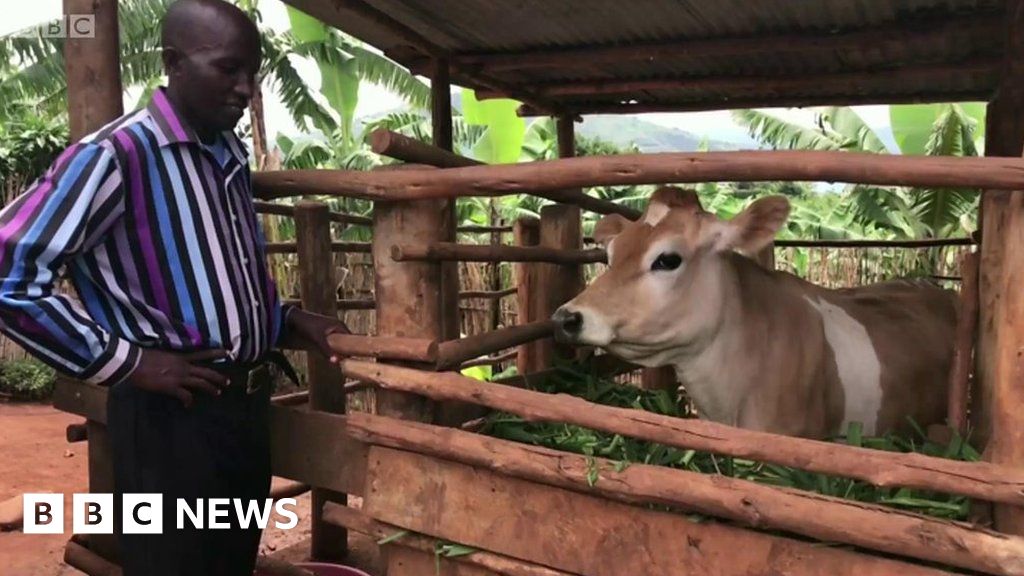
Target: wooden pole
pixel 559 251
pixel 408 294
pixel 454 352
pixel 526 233
pixel 835 82
pixel 451 317
pixel 1000 366
pixel 755 505
pixel 411 349
pixel 409 150
pixel 768 100
pixel 316 287
pixel 676 167
pixel 980 480
pixel 877 37
pixel 92 66
pixel 963 348
pixel 441 123
pixel 558 283
pixel 290 248
pixel 93 69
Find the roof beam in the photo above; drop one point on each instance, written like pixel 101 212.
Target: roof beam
pixel 770 102
pixel 846 81
pixel 881 37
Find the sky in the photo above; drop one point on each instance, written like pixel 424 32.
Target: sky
pixel 19 14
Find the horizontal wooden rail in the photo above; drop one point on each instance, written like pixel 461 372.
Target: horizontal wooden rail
pixel 81 558
pixel 998 173
pixel 858 243
pixel 490 360
pixel 980 480
pixel 352 519
pixel 452 353
pixel 483 229
pixel 921 243
pixel 291 248
pixel 392 348
pixel 343 304
pixel 449 251
pixel 412 151
pixel 290 399
pixel 806 513
pixel 289 489
pixel 487 294
pixel 403 148
pixel 285 210
pixel 76 433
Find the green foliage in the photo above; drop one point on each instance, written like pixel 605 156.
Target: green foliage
pixel 935 130
pixel 28 144
pixel 27 379
pixel 581 380
pixel 502 143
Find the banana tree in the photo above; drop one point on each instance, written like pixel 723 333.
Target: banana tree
pixel 934 130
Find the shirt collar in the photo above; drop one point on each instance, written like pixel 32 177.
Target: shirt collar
pixel 171 127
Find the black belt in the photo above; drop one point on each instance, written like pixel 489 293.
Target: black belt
pixel 249 373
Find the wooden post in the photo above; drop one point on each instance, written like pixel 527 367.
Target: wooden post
pixel 447 413
pixel 526 232
pixel 560 227
pixel 557 283
pixel 326 391
pixel 408 294
pixel 93 70
pixel 999 410
pixel 963 346
pixel 441 123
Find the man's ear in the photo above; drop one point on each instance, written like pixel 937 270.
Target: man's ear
pixel 608 227
pixel 171 58
pixel 755 227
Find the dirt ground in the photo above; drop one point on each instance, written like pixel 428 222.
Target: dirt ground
pixel 36 457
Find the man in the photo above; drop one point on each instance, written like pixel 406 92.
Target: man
pixel 152 218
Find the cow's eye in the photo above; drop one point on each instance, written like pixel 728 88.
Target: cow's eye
pixel 667 261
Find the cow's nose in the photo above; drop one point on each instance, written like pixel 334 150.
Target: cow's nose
pixel 569 323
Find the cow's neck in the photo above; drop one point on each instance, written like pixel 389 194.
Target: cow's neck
pixel 720 372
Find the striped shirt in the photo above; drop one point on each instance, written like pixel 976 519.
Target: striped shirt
pixel 159 238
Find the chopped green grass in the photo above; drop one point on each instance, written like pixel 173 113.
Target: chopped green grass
pixel 580 381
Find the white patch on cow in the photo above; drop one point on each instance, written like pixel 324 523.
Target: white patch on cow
pixel 608 250
pixel 656 211
pixel 860 371
pixel 596 329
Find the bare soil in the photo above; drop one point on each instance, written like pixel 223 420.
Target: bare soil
pixel 36 457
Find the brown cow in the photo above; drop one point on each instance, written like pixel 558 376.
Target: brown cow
pixel 756 348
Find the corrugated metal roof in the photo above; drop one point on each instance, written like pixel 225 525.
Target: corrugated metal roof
pixel 962 61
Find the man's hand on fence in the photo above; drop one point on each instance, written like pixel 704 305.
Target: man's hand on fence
pixel 312 330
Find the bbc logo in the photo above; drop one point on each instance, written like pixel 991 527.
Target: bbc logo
pixel 144 514
pixel 68 26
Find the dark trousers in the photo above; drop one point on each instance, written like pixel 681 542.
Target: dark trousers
pixel 217 448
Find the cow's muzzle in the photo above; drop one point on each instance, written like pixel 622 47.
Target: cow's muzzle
pixel 570 325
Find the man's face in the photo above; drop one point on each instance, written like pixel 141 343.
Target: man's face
pixel 215 75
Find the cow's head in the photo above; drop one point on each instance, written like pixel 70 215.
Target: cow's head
pixel 662 290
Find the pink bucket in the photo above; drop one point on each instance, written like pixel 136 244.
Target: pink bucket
pixel 322 569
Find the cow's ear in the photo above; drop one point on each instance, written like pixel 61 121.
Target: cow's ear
pixel 608 227
pixel 755 227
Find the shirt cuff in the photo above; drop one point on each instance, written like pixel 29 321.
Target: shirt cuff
pixel 283 331
pixel 117 361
